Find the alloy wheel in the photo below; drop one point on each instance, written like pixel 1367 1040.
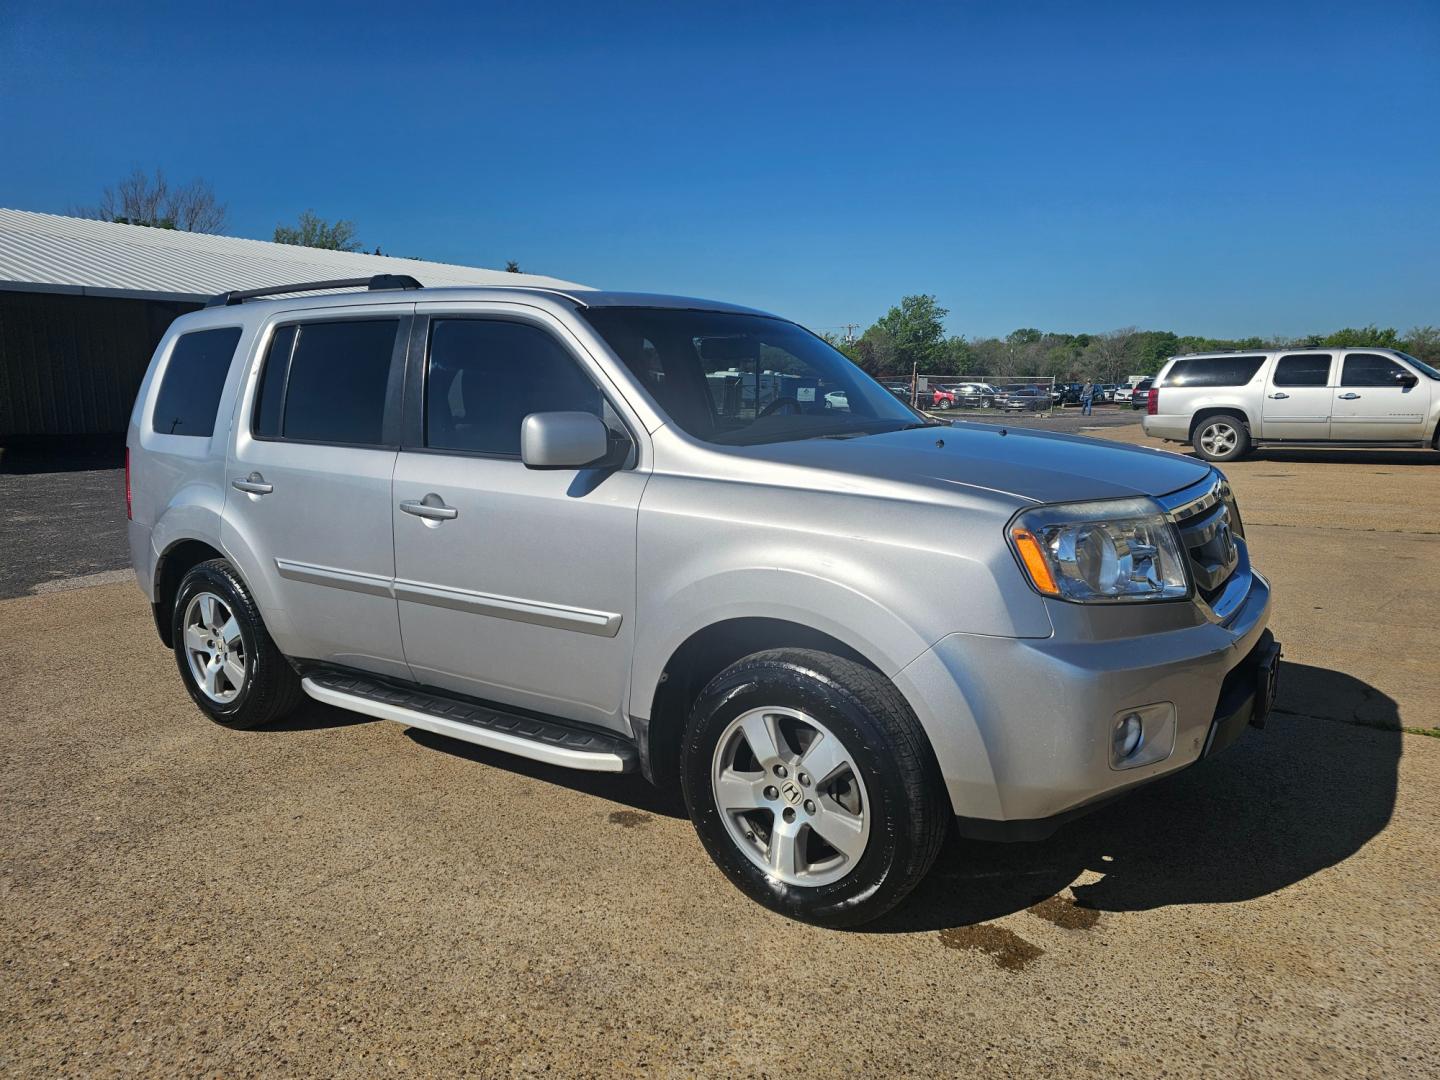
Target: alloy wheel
pixel 1219 438
pixel 215 648
pixel 790 796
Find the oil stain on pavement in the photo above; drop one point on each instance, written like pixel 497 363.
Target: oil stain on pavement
pixel 1009 950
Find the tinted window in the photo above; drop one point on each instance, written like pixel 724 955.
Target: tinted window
pixel 271 398
pixel 1214 371
pixel 189 392
pixel 339 374
pixel 739 379
pixel 1309 369
pixel 484 377
pixel 1371 369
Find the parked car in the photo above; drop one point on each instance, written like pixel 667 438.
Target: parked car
pixel 1025 399
pixel 1105 392
pixel 942 397
pixel 1140 393
pixel 1123 394
pixel 526 519
pixel 976 395
pixel 1225 403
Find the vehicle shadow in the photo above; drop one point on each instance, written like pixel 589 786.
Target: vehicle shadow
pixel 1306 793
pixel 629 788
pixel 312 715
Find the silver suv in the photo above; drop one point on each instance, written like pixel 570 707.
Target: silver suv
pixel 626 532
pixel 1225 403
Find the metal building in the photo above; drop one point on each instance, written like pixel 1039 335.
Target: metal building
pixel 83 304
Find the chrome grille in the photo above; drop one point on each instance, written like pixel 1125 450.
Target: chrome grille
pixel 1212 535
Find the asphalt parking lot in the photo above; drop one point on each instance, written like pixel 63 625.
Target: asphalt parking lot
pixel 342 897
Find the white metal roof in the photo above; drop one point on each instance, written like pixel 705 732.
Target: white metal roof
pixel 51 253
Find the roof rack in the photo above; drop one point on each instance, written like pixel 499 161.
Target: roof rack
pixel 376 283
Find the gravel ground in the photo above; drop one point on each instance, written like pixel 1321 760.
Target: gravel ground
pixel 64 517
pixel 340 897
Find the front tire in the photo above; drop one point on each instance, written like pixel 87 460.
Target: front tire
pixel 227 660
pixel 1222 437
pixel 812 786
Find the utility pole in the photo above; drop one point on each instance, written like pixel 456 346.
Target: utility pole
pixel 850 329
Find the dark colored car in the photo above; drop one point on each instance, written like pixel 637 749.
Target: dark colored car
pixel 1025 399
pixel 1141 397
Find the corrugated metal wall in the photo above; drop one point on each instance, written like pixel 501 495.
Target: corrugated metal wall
pixel 70 365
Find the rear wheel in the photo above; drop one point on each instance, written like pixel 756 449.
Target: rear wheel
pixel 227 660
pixel 812 786
pixel 1222 437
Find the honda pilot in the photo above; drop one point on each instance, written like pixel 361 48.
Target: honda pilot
pixel 620 532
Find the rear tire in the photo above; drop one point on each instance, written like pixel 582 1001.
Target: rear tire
pixel 227 660
pixel 788 750
pixel 1221 437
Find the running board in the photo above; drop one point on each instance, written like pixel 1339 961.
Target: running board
pixel 550 741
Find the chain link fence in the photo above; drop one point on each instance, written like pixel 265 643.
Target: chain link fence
pixel 948 393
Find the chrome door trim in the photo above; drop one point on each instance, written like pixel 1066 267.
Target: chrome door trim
pixel 348 580
pixel 538 612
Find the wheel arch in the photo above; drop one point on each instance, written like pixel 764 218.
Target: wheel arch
pixel 1202 414
pixel 174 563
pixel 698 659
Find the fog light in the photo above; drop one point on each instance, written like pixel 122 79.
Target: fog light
pixel 1129 735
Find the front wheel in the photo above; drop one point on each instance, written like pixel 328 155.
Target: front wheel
pixel 1223 437
pixel 812 786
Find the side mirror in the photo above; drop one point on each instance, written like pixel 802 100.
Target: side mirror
pixel 563 440
pixel 1406 380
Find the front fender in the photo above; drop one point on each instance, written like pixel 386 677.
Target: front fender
pixel 844 613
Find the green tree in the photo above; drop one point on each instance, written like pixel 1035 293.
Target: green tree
pixel 915 329
pixel 513 267
pixel 315 232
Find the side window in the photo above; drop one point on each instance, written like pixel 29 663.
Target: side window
pixel 271 399
pixel 327 382
pixel 1306 369
pixel 1371 369
pixel 1214 371
pixel 189 393
pixel 483 377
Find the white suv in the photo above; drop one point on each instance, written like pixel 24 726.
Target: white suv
pixel 1225 403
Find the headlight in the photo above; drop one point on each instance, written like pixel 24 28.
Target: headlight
pixel 1105 552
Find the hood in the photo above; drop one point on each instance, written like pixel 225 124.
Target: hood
pixel 1037 466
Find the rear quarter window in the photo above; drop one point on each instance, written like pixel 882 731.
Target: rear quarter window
pixel 189 394
pixel 1214 371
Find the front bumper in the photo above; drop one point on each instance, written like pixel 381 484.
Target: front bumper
pixel 1022 727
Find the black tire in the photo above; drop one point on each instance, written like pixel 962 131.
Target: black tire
pixel 270 688
pixel 1237 447
pixel 910 815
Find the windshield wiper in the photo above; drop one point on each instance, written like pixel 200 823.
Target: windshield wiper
pixel 927 423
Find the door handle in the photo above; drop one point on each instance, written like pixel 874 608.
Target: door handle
pixel 1279 397
pixel 432 508
pixel 254 484
pixel 1348 397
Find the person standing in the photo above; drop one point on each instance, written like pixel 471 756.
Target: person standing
pixel 1087 398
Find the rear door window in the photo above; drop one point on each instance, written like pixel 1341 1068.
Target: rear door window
pixel 1304 369
pixel 327 382
pixel 189 393
pixel 1371 369
pixel 1214 371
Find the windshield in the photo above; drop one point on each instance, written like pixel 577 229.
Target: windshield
pixel 742 379
pixel 1426 368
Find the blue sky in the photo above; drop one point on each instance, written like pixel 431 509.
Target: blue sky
pixel 1263 168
